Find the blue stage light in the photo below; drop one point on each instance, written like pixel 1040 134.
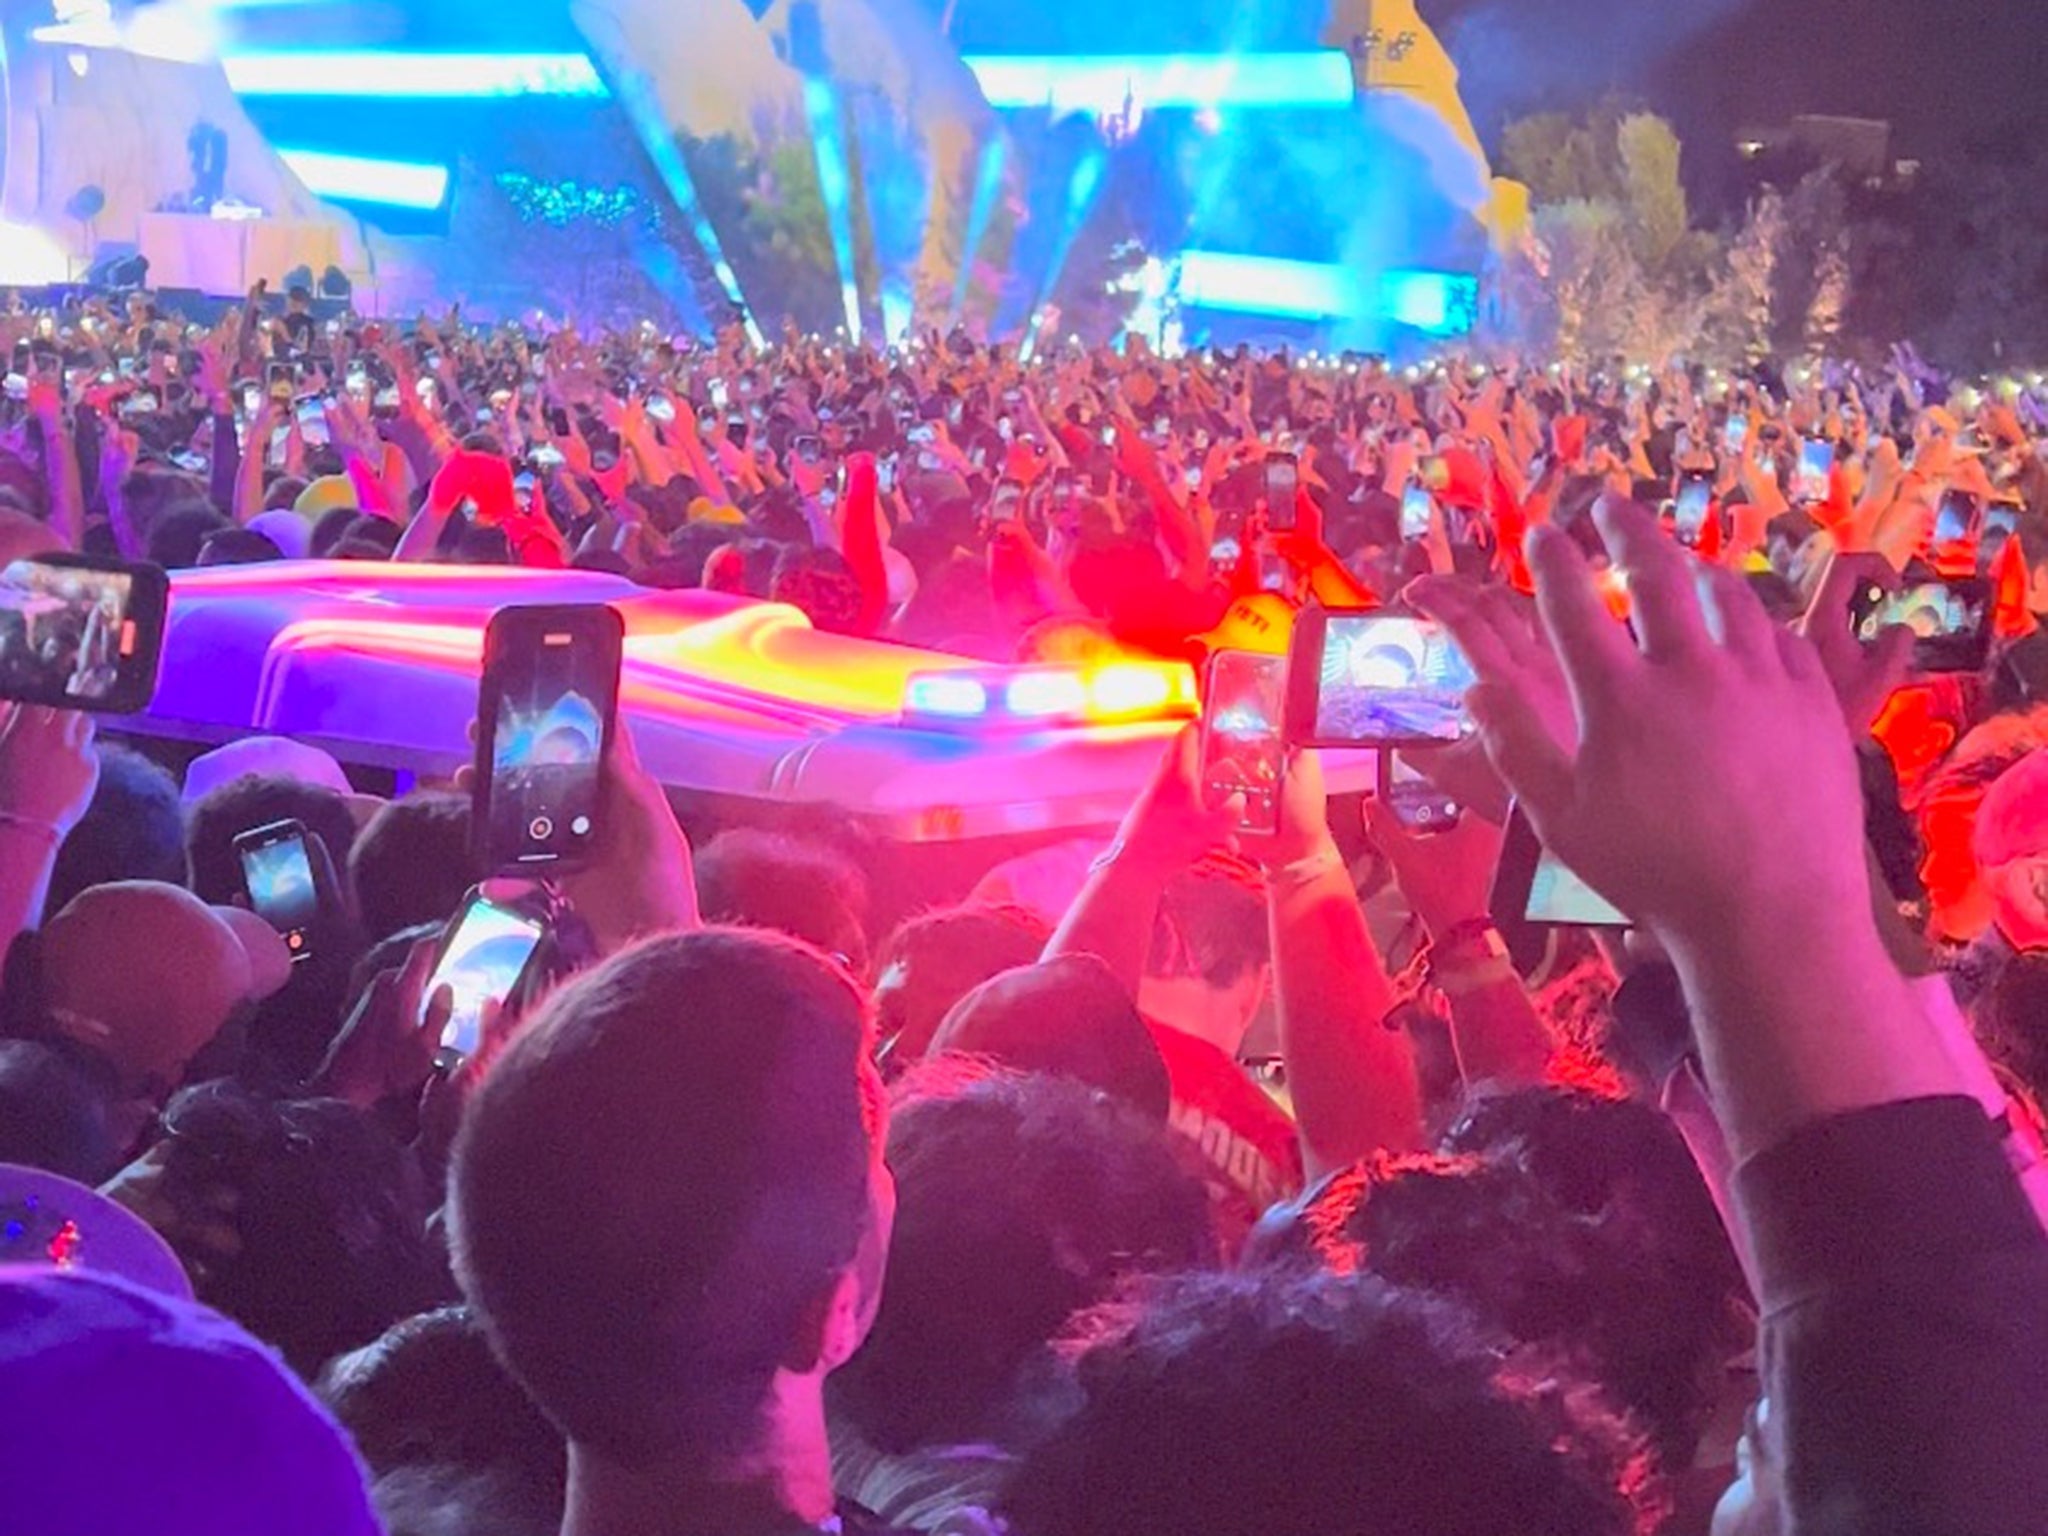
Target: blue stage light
pixel 988 186
pixel 1101 84
pixel 353 179
pixel 418 76
pixel 835 185
pixel 1436 303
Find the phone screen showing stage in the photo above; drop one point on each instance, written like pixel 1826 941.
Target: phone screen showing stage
pixel 1387 678
pixel 1244 749
pixel 282 891
pixel 557 675
pixel 480 964
pixel 69 637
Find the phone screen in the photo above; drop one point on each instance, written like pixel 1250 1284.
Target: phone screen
pixel 2000 524
pixel 283 383
pixel 1008 500
pixel 551 683
pixel 1417 804
pixel 487 950
pixel 1283 481
pixel 1244 746
pixel 1816 467
pixel 1556 895
pixel 1388 678
pixel 1695 496
pixel 1958 513
pixel 1416 509
pixel 84 634
pixel 278 874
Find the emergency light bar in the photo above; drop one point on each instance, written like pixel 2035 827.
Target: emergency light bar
pixel 1035 698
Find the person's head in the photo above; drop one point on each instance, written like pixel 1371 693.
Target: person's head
pixel 143 976
pixel 411 864
pixel 1070 1017
pixel 1318 1405
pixel 2011 845
pixel 178 535
pixel 667 1201
pixel 2011 1020
pixel 1589 1287
pixel 429 1391
pixel 1211 960
pixel 789 884
pixel 1952 801
pixel 933 960
pixel 140 1412
pixel 238 546
pixel 133 830
pixel 1020 1200
pixel 820 584
pixel 51 1116
pixel 224 813
pixel 329 1215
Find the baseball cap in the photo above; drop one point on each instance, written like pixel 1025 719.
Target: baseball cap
pixel 130 1411
pixel 48 1222
pixel 1070 1017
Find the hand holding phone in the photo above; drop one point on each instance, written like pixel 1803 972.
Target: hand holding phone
pixel 1244 745
pixel 1282 490
pixel 546 716
pixel 489 949
pixel 1375 678
pixel 288 876
pixel 77 632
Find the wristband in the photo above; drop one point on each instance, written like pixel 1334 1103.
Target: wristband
pixel 1324 861
pixel 48 831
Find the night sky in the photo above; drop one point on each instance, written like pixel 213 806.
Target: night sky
pixel 1940 70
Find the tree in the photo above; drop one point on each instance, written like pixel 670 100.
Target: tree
pixel 1655 197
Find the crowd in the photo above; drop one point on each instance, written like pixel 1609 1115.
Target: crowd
pixel 1180 1180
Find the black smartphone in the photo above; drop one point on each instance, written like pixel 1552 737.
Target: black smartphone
pixel 1417 804
pixel 545 718
pixel 1950 620
pixel 1375 678
pixel 1282 487
pixel 1244 748
pixel 1695 499
pixel 1533 886
pixel 277 873
pixel 1066 493
pixel 809 449
pixel 77 632
pixel 488 949
pixel 284 382
pixel 1957 519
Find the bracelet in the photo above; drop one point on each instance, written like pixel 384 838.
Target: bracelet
pixel 1324 861
pixel 48 831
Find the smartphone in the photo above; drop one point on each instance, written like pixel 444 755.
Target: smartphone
pixel 1812 480
pixel 1957 518
pixel 1532 885
pixel 885 475
pixel 1417 804
pixel 720 395
pixel 1695 500
pixel 1244 745
pixel 277 872
pixel 1950 620
pixel 313 423
pixel 809 449
pixel 545 718
pixel 1066 491
pixel 922 435
pixel 1283 484
pixel 546 456
pixel 486 952
pixel 1007 502
pixel 660 408
pixel 1417 508
pixel 284 382
pixel 1378 678
pixel 78 632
